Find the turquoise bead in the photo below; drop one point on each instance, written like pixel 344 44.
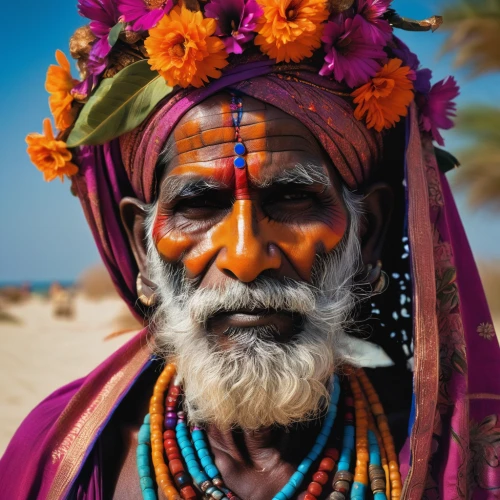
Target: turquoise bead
pixel 206 461
pixel 144 434
pixel 199 445
pixel 143 449
pixel 288 490
pixel 203 453
pixel 297 479
pixel 142 461
pixel 147 419
pixel 280 496
pixel 144 471
pixel 379 496
pixel 149 494
pixel 146 482
pixel 375 459
pixel 305 466
pixel 212 471
pixel 358 491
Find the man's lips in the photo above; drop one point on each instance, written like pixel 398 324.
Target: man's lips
pixel 283 322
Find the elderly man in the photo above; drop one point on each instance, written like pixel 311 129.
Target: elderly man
pixel 278 226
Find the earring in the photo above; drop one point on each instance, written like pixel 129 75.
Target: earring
pixel 377 277
pixel 146 294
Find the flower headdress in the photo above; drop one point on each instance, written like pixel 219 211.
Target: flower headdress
pixel 135 52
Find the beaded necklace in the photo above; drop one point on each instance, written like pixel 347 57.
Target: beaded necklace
pixel 366 442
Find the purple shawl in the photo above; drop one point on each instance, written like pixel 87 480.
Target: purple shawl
pixel 455 439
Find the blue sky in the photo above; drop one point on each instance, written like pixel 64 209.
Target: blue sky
pixel 44 235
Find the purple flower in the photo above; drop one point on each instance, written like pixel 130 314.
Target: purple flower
pixel 144 14
pixel 437 108
pixel 236 20
pixel 103 16
pixel 378 30
pixel 421 76
pixel 351 56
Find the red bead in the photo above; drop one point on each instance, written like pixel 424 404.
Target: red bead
pixel 327 464
pixel 170 434
pixel 169 443
pixel 188 493
pixel 321 477
pixel 310 497
pixel 315 489
pixel 175 466
pixel 332 453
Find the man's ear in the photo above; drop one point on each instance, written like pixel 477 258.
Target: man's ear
pixel 133 213
pixel 377 204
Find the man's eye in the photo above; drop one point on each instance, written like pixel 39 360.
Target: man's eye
pixel 296 196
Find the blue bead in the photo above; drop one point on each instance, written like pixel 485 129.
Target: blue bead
pixel 212 471
pixel 149 494
pixel 375 459
pixel 197 435
pixel 184 443
pixel 206 461
pixel 317 449
pixel 144 471
pixel 147 419
pixel 239 162
pixel 146 482
pixel 280 496
pixel 288 490
pixel 305 466
pixel 321 440
pixel 144 434
pixel 239 149
pixel 210 490
pixel 199 445
pixel 358 491
pixel 203 453
pixel 379 496
pixel 343 465
pixel 189 456
pixel 143 450
pixel 297 479
pixel 142 461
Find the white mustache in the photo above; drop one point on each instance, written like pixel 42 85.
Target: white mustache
pixel 264 293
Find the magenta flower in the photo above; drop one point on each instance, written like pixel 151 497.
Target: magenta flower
pixel 351 56
pixel 437 108
pixel 144 14
pixel 378 30
pixel 103 16
pixel 236 20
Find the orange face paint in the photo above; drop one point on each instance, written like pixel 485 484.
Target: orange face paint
pixel 256 227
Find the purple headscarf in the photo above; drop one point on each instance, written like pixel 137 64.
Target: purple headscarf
pixel 453 448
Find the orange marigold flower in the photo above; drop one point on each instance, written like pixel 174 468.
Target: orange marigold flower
pixel 49 155
pixel 386 97
pixel 182 49
pixel 59 84
pixel 290 30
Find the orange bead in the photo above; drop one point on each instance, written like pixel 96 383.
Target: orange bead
pixel 327 464
pixel 161 469
pixel 308 496
pixel 176 467
pixel 188 493
pixel 320 477
pixel 315 489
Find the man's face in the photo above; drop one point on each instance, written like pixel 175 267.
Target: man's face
pixel 254 292
pixel 296 210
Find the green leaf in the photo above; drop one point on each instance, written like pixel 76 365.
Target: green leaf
pixel 119 105
pixel 446 161
pixel 115 33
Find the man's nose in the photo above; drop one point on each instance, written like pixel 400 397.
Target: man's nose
pixel 246 253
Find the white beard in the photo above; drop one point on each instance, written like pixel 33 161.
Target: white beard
pixel 258 382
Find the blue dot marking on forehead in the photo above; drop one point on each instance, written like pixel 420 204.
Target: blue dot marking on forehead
pixel 240 162
pixel 240 149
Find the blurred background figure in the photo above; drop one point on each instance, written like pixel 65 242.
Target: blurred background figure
pixel 61 301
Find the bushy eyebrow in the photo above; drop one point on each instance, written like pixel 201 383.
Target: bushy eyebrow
pixel 183 187
pixel 306 174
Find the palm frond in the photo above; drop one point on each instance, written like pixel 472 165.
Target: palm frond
pixel 474 27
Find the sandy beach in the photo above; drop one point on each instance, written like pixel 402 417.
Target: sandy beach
pixel 41 353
